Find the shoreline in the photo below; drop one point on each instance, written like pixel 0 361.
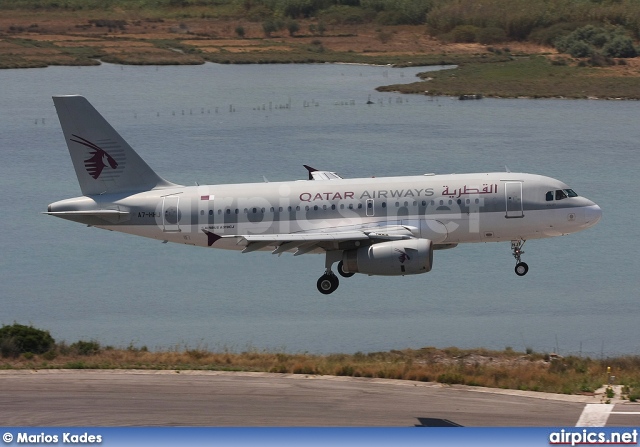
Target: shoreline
pixel 516 70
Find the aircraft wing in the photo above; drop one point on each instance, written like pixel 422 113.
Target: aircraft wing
pixel 306 242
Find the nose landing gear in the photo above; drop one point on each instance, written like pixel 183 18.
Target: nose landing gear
pixel 521 268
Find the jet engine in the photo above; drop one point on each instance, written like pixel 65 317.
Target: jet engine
pixel 394 258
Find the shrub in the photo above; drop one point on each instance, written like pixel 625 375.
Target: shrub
pixel 590 40
pixel 451 378
pixel 18 339
pixel 82 347
pixel 491 35
pixel 579 49
pixel 464 33
pixel 268 27
pixel 240 31
pixel 548 35
pixel 293 27
pixel 620 46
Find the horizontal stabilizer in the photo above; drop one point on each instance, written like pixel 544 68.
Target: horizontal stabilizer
pixel 92 217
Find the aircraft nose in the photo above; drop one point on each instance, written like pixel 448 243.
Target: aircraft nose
pixel 592 215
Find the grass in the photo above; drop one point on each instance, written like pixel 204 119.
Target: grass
pixel 526 76
pixel 480 367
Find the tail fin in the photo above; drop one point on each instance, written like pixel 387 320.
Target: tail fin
pixel 103 161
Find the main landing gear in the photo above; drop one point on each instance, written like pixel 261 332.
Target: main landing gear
pixel 521 267
pixel 329 282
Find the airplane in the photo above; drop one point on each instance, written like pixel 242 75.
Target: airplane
pixel 373 226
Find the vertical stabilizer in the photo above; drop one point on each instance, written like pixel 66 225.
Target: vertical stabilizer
pixel 103 160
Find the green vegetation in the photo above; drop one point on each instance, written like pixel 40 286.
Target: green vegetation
pixel 478 367
pixel 514 19
pixel 19 339
pixel 595 33
pixel 591 40
pixel 524 76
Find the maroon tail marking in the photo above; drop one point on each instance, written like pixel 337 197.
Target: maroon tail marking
pixel 96 163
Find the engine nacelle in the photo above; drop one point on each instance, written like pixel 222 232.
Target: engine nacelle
pixel 394 258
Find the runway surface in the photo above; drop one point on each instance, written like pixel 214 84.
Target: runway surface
pixel 196 398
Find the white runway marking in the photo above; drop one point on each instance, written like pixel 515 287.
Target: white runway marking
pixel 595 415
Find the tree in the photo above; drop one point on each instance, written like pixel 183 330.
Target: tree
pixel 18 339
pixel 293 27
pixel 269 26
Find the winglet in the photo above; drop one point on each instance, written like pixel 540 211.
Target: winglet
pixel 310 169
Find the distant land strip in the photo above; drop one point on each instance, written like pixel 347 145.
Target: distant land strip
pixel 580 59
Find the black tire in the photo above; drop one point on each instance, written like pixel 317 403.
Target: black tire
pixel 327 284
pixel 342 272
pixel 521 268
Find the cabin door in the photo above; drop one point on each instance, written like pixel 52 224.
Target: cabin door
pixel 513 198
pixel 171 214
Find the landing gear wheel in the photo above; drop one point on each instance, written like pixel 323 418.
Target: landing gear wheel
pixel 328 283
pixel 342 272
pixel 521 268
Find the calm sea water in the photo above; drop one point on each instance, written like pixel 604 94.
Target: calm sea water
pixel 220 124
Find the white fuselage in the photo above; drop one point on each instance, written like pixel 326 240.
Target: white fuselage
pixel 447 209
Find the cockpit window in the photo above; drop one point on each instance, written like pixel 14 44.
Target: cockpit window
pixel 560 194
pixel 571 193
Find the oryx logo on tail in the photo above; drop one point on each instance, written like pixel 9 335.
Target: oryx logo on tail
pixel 98 160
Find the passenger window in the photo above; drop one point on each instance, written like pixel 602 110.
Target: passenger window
pixel 549 196
pixel 560 194
pixel 210 212
pixel 359 205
